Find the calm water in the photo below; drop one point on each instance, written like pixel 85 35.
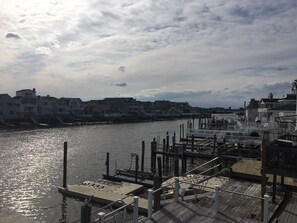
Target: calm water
pixel 31 163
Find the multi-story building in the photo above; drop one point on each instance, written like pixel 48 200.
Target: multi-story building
pixel 6 107
pixel 47 105
pixel 25 103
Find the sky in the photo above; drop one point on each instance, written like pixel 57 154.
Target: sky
pixel 204 52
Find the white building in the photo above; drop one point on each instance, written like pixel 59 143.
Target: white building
pixel 25 103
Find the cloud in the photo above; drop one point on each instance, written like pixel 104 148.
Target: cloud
pixel 121 84
pixel 122 68
pixel 12 36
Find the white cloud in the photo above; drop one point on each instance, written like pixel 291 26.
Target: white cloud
pixel 178 48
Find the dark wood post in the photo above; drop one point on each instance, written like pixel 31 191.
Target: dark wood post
pixel 136 168
pixel 142 155
pixel 65 166
pixel 167 153
pixel 273 188
pixel 214 144
pixel 157 195
pixel 164 154
pixel 107 164
pixel 192 149
pixel 160 167
pixel 184 159
pixel 153 155
pixel 176 166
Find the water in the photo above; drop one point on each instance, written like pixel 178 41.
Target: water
pixel 31 163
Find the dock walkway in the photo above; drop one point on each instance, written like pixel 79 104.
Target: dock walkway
pixel 233 207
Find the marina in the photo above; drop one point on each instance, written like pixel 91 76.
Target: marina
pixel 205 169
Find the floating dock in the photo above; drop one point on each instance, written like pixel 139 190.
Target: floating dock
pixel 105 192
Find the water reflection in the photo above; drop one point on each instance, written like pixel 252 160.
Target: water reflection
pixel 31 163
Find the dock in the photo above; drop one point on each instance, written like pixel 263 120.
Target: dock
pixel 241 206
pixel 250 169
pixel 105 192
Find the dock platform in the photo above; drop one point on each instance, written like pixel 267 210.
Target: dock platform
pixel 233 207
pixel 250 169
pixel 105 192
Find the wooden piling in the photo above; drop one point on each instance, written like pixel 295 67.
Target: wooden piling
pixel 107 164
pixel 160 167
pixel 136 168
pixel 65 165
pixel 167 152
pixel 192 148
pixel 142 155
pixel 164 154
pixel 153 155
pixel 157 194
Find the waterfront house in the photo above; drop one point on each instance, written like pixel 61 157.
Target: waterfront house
pixel 47 105
pixel 6 107
pixel 70 106
pixel 25 103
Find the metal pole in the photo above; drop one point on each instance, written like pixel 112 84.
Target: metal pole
pixel 150 204
pixel 135 210
pixel 266 205
pixel 176 189
pixel 217 198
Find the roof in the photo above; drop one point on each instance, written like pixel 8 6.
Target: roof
pixel 24 90
pixel 4 95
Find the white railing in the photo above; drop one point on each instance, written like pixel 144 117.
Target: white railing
pixel 217 190
pixel 111 216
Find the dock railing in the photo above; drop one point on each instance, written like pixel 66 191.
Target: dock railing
pixel 218 190
pixel 120 214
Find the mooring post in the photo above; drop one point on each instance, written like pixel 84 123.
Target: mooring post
pixel 176 188
pixel 65 166
pixel 153 155
pixel 135 210
pixel 214 144
pixel 167 152
pixel 176 166
pixel 184 159
pixel 150 204
pixel 164 154
pixel 142 155
pixel 86 212
pixel 217 198
pixel 136 168
pixel 266 208
pixel 160 167
pixel 107 164
pixel 192 148
pixel 274 188
pixel 157 194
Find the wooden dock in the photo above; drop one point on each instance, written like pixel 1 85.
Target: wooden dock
pixel 233 207
pixel 251 169
pixel 9 216
pixel 288 210
pixel 105 192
